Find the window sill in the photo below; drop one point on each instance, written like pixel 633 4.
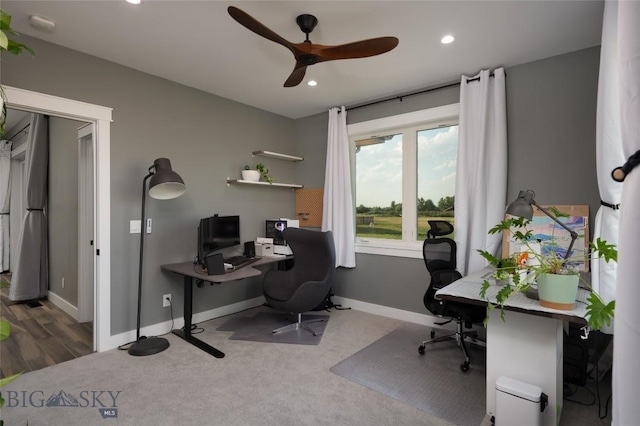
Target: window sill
pixel 389 248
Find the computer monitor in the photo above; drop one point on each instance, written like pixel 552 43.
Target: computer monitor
pixel 274 230
pixel 217 232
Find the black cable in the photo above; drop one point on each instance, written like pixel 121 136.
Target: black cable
pixel 125 346
pixel 172 321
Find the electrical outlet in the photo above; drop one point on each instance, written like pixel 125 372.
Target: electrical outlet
pixel 166 300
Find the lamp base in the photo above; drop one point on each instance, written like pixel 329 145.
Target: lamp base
pixel 148 346
pixel 532 293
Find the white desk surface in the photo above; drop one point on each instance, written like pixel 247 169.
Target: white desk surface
pixel 467 289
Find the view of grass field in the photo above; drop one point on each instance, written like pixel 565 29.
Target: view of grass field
pixel 390 227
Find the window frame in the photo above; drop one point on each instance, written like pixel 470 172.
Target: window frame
pixel 408 124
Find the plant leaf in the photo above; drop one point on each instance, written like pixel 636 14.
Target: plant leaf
pixel 598 314
pixel 6 380
pixel 5 330
pixel 4 41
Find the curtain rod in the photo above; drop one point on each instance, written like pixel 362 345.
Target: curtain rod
pixel 431 89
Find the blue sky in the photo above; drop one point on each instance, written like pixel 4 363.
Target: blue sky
pixel 379 168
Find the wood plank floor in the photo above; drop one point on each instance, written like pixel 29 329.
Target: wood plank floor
pixel 41 336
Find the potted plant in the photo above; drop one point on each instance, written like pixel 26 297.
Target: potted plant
pixel 541 263
pixel 255 174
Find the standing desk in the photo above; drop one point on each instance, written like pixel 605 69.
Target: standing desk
pixel 191 274
pixel 527 345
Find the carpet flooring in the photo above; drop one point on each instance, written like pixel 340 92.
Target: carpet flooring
pixel 432 382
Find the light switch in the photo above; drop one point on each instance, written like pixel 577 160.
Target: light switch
pixel 135 226
pixel 148 226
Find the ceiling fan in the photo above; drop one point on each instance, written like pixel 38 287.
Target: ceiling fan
pixel 307 53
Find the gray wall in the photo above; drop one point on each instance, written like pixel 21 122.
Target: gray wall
pixel 551 120
pixel 62 208
pixel 207 138
pixel 551 111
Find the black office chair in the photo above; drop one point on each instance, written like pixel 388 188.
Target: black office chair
pixel 439 256
pixel 307 283
pixel 439 228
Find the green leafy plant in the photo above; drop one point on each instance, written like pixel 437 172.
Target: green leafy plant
pixel 8 44
pixel 5 331
pixel 520 275
pixel 264 172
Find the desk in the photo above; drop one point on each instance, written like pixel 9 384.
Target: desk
pixel 189 271
pixel 527 345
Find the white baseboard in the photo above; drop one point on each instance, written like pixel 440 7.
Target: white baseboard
pixel 399 314
pixel 65 306
pixel 385 311
pixel 165 327
pixel 416 318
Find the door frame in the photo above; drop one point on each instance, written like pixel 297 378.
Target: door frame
pixel 86 224
pixel 100 116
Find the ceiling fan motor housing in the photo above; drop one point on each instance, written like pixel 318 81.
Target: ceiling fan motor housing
pixel 307 23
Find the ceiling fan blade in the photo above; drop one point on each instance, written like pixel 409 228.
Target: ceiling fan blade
pixel 297 75
pixel 252 24
pixel 358 49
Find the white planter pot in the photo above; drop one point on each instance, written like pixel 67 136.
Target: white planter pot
pixel 251 175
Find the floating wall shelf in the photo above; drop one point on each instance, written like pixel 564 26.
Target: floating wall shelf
pixel 274 184
pixel 277 155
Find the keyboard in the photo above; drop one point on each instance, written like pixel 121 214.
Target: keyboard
pixel 240 261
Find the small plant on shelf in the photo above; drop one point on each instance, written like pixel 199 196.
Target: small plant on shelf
pixel 263 172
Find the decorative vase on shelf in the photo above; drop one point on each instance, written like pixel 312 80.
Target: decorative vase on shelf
pixel 558 291
pixel 251 175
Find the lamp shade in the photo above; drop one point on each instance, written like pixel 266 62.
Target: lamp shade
pixel 522 206
pixel 165 184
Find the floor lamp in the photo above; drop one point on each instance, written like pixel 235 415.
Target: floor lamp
pixel 165 184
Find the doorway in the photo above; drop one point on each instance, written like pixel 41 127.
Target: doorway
pixel 100 118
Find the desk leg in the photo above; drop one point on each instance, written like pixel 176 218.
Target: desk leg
pixel 188 312
pixel 527 348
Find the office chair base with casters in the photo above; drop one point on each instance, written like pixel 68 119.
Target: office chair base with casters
pixel 461 337
pixel 300 324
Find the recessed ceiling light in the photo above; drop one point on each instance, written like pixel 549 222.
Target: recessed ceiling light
pixel 447 39
pixel 312 83
pixel 134 1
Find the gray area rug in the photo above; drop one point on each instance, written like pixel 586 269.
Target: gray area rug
pixel 432 382
pixel 258 328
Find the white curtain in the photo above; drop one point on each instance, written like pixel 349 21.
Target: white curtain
pixel 5 199
pixel 608 154
pixel 30 280
pixel 337 209
pixel 481 174
pixel 626 374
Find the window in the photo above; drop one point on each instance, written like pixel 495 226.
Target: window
pixel 404 173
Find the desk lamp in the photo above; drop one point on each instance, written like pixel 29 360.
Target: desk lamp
pixel 165 184
pixel 522 207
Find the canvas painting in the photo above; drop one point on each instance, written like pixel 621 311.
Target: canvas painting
pixel 545 231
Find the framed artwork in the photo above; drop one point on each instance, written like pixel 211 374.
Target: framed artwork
pixel 544 229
